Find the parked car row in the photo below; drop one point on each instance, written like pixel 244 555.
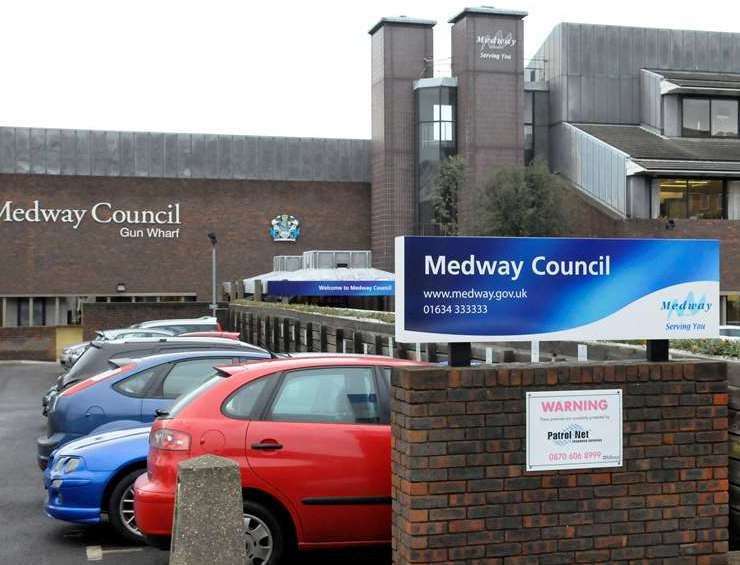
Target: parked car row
pixel 153 328
pixel 76 371
pixel 310 433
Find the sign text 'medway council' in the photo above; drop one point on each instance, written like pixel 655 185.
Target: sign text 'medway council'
pixel 101 213
pixel 540 265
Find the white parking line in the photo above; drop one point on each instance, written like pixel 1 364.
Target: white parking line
pixel 96 552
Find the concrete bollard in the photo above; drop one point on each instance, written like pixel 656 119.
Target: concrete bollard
pixel 209 515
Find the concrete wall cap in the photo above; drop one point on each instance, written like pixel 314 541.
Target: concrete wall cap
pixel 487 11
pixel 401 20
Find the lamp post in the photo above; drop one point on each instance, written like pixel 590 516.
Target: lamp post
pixel 214 241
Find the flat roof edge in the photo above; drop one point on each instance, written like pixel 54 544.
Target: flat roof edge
pixel 434 82
pixel 401 20
pixel 488 11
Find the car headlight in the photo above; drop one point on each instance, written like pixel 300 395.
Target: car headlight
pixel 65 465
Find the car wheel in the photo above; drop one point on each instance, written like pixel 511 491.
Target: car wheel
pixel 121 508
pixel 265 537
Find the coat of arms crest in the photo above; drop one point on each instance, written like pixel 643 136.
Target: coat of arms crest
pixel 285 227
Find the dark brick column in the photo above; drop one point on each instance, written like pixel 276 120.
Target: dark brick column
pixel 461 494
pixel 401 53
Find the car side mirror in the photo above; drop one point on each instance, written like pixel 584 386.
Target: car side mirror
pixel 161 413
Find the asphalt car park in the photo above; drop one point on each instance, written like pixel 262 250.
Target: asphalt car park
pixel 27 535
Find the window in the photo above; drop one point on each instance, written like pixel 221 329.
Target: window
pixel 528 127
pixel 242 402
pixel 187 375
pixel 187 398
pixel 692 198
pixel 435 116
pixel 336 395
pixel 137 385
pixel 696 117
pixel 705 117
pixel 724 118
pixel 733 309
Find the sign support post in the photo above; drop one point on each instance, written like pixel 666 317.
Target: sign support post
pixel 460 354
pixel 657 350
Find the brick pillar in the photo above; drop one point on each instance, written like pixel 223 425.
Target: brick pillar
pixel 401 53
pixel 488 61
pixel 461 494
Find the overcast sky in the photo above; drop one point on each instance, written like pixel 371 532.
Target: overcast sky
pixel 288 67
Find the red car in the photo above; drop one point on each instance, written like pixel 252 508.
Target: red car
pixel 312 438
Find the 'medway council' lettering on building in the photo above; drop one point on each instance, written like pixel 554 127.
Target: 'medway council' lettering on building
pixel 101 213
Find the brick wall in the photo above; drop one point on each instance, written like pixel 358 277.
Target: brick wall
pixel 113 315
pixel 461 495
pixel 586 220
pixel 41 258
pixel 28 344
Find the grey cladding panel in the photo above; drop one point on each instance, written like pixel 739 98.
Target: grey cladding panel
pixel 224 157
pixel 281 158
pixel 240 154
pixel 689 50
pixel 665 58
pixel 714 48
pixel 84 152
pixel 210 162
pixel 113 153
pixel 23 150
pixel 141 154
pixel 572 36
pixel 38 151
pixel 127 154
pixel 198 156
pixel 702 49
pixel 68 152
pixel 158 155
pixel 249 156
pixel 170 155
pixel 293 151
pixel 677 58
pixel 612 51
pixel 184 155
pixel 53 151
pixel 7 150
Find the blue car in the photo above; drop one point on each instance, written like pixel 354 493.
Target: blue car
pixel 131 394
pixel 90 480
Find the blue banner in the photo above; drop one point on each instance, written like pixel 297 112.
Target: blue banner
pixel 498 288
pixel 330 288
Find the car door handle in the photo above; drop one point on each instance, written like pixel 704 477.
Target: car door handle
pixel 267 445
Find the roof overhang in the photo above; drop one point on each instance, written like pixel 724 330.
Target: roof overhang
pixel 686 168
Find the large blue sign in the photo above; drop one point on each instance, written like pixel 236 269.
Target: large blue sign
pixel 330 288
pixel 522 289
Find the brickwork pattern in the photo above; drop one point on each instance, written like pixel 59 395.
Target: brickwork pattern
pixel 461 495
pixel 586 220
pixel 41 258
pixel 31 344
pixel 399 57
